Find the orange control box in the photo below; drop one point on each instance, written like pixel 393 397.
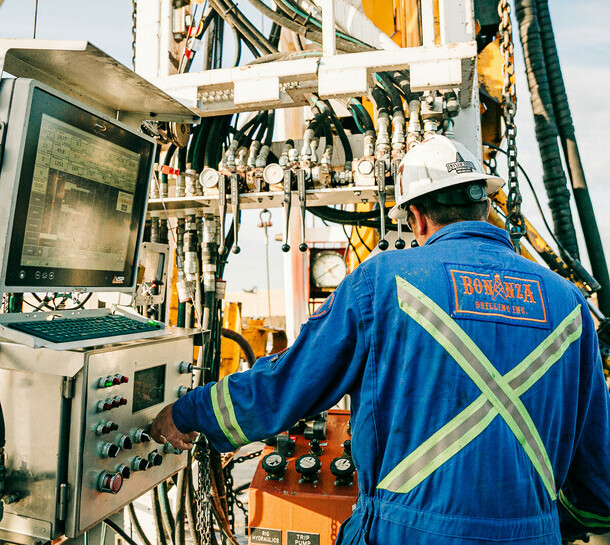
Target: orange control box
pixel 289 512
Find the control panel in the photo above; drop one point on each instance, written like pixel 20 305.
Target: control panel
pixel 125 389
pixel 305 485
pixel 78 448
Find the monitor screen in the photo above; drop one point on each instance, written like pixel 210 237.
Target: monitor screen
pixel 81 199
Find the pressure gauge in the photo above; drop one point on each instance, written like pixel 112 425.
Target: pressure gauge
pixel 328 269
pixel 273 174
pixel 209 178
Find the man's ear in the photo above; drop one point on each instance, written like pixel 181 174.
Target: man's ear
pixel 421 222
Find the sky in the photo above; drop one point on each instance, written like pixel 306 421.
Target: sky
pixel 583 41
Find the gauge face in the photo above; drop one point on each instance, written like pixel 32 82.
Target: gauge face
pixel 273 174
pixel 209 177
pixel 328 269
pixel 307 462
pixel 343 464
pixel 274 460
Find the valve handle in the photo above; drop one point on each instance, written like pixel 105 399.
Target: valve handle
pixel 301 188
pixel 400 243
pixel 287 204
pixel 235 209
pixel 380 175
pixel 222 204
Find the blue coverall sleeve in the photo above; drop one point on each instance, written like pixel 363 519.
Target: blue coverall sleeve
pixel 584 501
pixel 323 364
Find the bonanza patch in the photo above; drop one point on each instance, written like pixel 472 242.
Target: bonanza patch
pixel 481 294
pixel 324 308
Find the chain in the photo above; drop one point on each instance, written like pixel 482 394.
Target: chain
pixel 515 223
pixel 228 471
pixel 202 498
pixel 247 457
pixel 134 19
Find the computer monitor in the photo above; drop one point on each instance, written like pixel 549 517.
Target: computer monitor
pixel 74 184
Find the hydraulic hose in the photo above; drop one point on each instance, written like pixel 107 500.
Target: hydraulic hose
pixel 120 531
pixel 582 198
pixel 160 530
pixel 345 143
pixel 546 129
pixel 179 532
pixel 166 511
pixel 307 33
pixel 243 344
pixel 191 504
pixel 135 522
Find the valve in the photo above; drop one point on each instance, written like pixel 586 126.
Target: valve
pixel 275 466
pixel 315 447
pixel 222 205
pixel 347 448
pixel 400 242
pixel 108 450
pixel 287 205
pixel 308 466
pixel 380 176
pixel 315 430
pixel 285 445
pixel 140 436
pixel 302 191
pixel 343 468
pixel 235 209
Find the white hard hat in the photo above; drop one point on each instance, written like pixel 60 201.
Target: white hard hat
pixel 437 163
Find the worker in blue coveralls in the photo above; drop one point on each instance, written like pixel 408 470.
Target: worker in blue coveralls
pixel 480 413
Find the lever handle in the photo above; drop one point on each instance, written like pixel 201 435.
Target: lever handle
pixel 400 243
pixel 380 175
pixel 222 204
pixel 235 208
pixel 301 188
pixel 287 203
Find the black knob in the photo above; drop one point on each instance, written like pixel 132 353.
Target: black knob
pixel 155 459
pixel 314 447
pixel 275 465
pixel 124 442
pixel 109 450
pixel 347 447
pixel 168 448
pixel 400 244
pixel 141 436
pixel 124 471
pixel 285 248
pixel 139 464
pixel 343 468
pixel 308 466
pixel 112 425
pixel 302 247
pixel 236 249
pixel 383 244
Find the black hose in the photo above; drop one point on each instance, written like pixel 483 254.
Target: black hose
pixel 168 157
pixel 345 143
pixel 193 143
pixel 307 33
pixel 135 522
pixel 158 517
pixel 546 129
pixel 166 511
pixel 120 531
pixel 582 198
pixel 179 534
pixel 358 219
pixel 270 129
pixel 243 344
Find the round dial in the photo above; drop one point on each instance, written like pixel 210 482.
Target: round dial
pixel 273 174
pixel 328 269
pixel 209 177
pixel 307 465
pixel 342 466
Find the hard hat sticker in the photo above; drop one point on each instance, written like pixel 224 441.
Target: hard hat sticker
pixel 502 296
pixel 460 165
pixel 324 308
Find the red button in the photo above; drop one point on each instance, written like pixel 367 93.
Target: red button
pixel 124 379
pixel 116 403
pixel 122 401
pixel 116 380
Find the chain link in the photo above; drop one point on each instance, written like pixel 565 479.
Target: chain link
pixel 203 498
pixel 134 20
pixel 515 223
pixel 247 457
pixel 228 471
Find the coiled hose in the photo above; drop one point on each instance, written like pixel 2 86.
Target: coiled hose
pixel 546 128
pixel 565 125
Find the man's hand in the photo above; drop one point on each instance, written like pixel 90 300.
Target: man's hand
pixel 163 429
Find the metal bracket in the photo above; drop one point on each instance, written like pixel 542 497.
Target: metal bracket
pixel 67 388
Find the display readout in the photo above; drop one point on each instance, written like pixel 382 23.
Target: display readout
pixel 148 387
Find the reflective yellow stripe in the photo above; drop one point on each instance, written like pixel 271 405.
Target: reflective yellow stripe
pixel 584 517
pixel 225 414
pixel 500 394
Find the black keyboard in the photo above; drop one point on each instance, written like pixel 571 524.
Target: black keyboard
pixel 65 330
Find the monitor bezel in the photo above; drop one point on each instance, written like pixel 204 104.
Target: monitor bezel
pixel 23 126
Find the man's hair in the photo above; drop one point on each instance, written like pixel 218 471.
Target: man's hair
pixel 444 214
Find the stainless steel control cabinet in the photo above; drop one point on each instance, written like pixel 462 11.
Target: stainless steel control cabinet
pixel 76 421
